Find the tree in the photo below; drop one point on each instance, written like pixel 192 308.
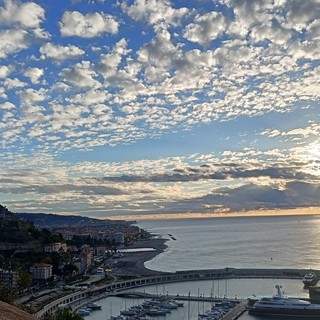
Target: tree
pixel 66 314
pixel 24 279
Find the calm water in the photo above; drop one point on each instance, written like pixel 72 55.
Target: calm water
pixel 270 242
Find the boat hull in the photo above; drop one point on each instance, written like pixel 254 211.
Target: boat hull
pixel 289 313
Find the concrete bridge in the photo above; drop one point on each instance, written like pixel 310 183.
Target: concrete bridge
pixel 95 293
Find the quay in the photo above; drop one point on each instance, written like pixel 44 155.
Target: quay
pixel 94 293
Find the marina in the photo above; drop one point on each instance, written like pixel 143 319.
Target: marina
pixel 203 295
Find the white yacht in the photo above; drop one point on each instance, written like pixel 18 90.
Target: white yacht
pixel 281 305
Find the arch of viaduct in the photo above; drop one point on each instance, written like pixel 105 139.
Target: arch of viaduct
pixel 95 293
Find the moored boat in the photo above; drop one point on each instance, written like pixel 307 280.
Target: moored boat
pixel 83 312
pixel 156 312
pixel 93 306
pixel 281 305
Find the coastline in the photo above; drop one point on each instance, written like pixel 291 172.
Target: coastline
pixel 132 263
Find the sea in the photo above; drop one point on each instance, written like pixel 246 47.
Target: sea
pixel 239 242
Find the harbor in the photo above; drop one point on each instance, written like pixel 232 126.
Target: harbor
pixel 199 296
pixel 160 306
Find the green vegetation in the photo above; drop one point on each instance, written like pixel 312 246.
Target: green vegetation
pixel 64 314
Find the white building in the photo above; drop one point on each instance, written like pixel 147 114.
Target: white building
pixel 41 271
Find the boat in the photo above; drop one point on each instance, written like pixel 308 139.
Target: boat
pixel 310 279
pixel 156 312
pixel 83 312
pixel 169 305
pixel 178 303
pixel 128 312
pixel 93 306
pixel 281 305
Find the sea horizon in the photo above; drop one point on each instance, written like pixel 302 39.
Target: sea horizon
pixel 250 213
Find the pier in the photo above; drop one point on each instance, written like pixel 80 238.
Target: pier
pixel 144 295
pixel 234 313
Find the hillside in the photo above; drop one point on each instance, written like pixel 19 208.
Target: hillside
pixel 13 229
pixel 10 312
pixel 50 220
pixel 18 233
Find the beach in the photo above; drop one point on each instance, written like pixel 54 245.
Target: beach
pixel 132 263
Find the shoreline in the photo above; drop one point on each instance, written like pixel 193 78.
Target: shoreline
pixel 132 263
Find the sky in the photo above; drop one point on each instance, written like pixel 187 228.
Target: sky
pixel 149 108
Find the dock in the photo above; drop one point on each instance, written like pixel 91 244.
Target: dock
pixel 236 312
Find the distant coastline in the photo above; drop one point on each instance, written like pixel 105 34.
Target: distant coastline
pixel 251 213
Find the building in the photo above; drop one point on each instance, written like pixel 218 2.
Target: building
pixel 99 250
pixel 41 271
pixel 8 278
pixel 55 247
pixel 118 238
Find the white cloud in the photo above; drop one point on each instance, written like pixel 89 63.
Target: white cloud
pixel 27 15
pixel 205 28
pixel 14 83
pixel 313 30
pixel 271 32
pixel 87 26
pixel 301 13
pixel 34 74
pixel 61 86
pixel 31 96
pixel 159 52
pixel 4 71
pixel 7 106
pixel 110 62
pixel 311 129
pixel 57 52
pixel 41 34
pixel 305 50
pixel 81 75
pixel 2 93
pixel 89 1
pixel 12 41
pixel 155 12
pixel 91 97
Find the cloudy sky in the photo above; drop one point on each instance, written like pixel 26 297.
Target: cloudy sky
pixel 147 107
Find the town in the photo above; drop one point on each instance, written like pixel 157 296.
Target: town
pixel 55 259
